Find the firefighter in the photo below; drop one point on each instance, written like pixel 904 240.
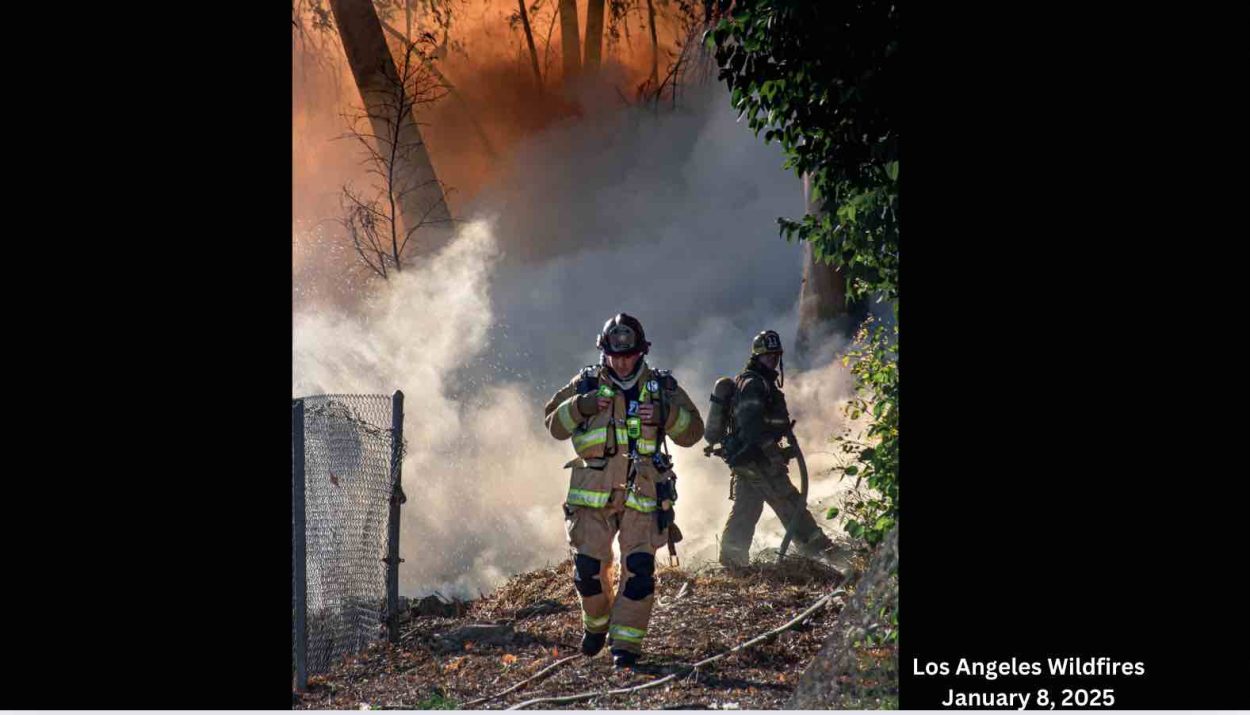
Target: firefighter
pixel 758 466
pixel 618 415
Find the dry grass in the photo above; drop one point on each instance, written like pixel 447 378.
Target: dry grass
pixel 698 613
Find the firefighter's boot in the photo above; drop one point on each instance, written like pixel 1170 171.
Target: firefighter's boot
pixel 592 643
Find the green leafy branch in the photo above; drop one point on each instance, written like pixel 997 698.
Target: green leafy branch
pixel 874 460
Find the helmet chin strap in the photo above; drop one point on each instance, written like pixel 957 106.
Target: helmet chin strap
pixel 781 371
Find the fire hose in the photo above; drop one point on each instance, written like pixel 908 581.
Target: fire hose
pixel 798 453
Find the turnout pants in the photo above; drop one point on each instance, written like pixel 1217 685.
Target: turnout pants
pixel 753 485
pixel 623 616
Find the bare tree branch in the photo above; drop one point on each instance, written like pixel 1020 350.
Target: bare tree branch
pixel 375 220
pixel 450 90
pixel 536 676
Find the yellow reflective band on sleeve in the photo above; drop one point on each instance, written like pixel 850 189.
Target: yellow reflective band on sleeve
pixel 646 446
pixel 566 418
pixel 590 439
pixel 646 505
pixel 622 435
pixel 587 497
pixel 627 634
pixel 683 421
pixel 595 623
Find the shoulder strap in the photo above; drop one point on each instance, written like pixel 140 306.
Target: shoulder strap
pixel 748 374
pixel 588 380
pixel 665 379
pixel 665 383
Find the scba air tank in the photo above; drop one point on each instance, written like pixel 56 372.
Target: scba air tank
pixel 718 414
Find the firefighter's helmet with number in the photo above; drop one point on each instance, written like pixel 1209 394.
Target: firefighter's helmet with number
pixel 766 342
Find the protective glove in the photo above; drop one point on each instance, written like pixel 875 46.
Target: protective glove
pixel 664 519
pixel 588 404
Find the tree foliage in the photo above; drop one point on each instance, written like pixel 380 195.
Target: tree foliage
pixel 874 454
pixel 822 78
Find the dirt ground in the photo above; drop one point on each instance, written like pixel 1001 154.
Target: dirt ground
pixel 534 620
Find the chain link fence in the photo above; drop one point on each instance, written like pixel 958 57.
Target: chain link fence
pixel 345 525
pixel 857 668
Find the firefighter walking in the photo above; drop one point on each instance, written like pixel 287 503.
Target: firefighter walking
pixel 618 415
pixel 757 420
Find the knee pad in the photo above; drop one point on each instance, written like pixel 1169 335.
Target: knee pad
pixel 641 581
pixel 586 575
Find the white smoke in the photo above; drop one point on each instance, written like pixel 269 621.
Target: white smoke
pixel 671 218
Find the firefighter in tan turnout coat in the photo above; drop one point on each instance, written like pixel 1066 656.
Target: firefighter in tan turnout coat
pixel 621 484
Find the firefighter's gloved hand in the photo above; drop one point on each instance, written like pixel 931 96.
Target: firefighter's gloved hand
pixel 664 519
pixel 646 411
pixel 790 452
pixel 745 454
pixel 591 404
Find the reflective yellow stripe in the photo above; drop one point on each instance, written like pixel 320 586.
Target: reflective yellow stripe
pixel 625 633
pixel 622 435
pixel 590 439
pixel 645 505
pixel 566 416
pixel 646 446
pixel 587 497
pixel 595 622
pixel 683 421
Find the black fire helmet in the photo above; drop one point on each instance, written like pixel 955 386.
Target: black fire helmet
pixel 622 335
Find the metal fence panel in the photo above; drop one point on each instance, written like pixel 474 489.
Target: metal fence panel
pixel 350 471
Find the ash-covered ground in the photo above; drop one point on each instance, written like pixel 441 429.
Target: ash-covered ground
pixel 479 649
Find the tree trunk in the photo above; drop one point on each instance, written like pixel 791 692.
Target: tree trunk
pixel 594 34
pixel 569 40
pixel 376 76
pixel 655 46
pixel 529 40
pixel 822 297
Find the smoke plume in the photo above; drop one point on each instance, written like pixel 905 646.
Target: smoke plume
pixel 668 216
